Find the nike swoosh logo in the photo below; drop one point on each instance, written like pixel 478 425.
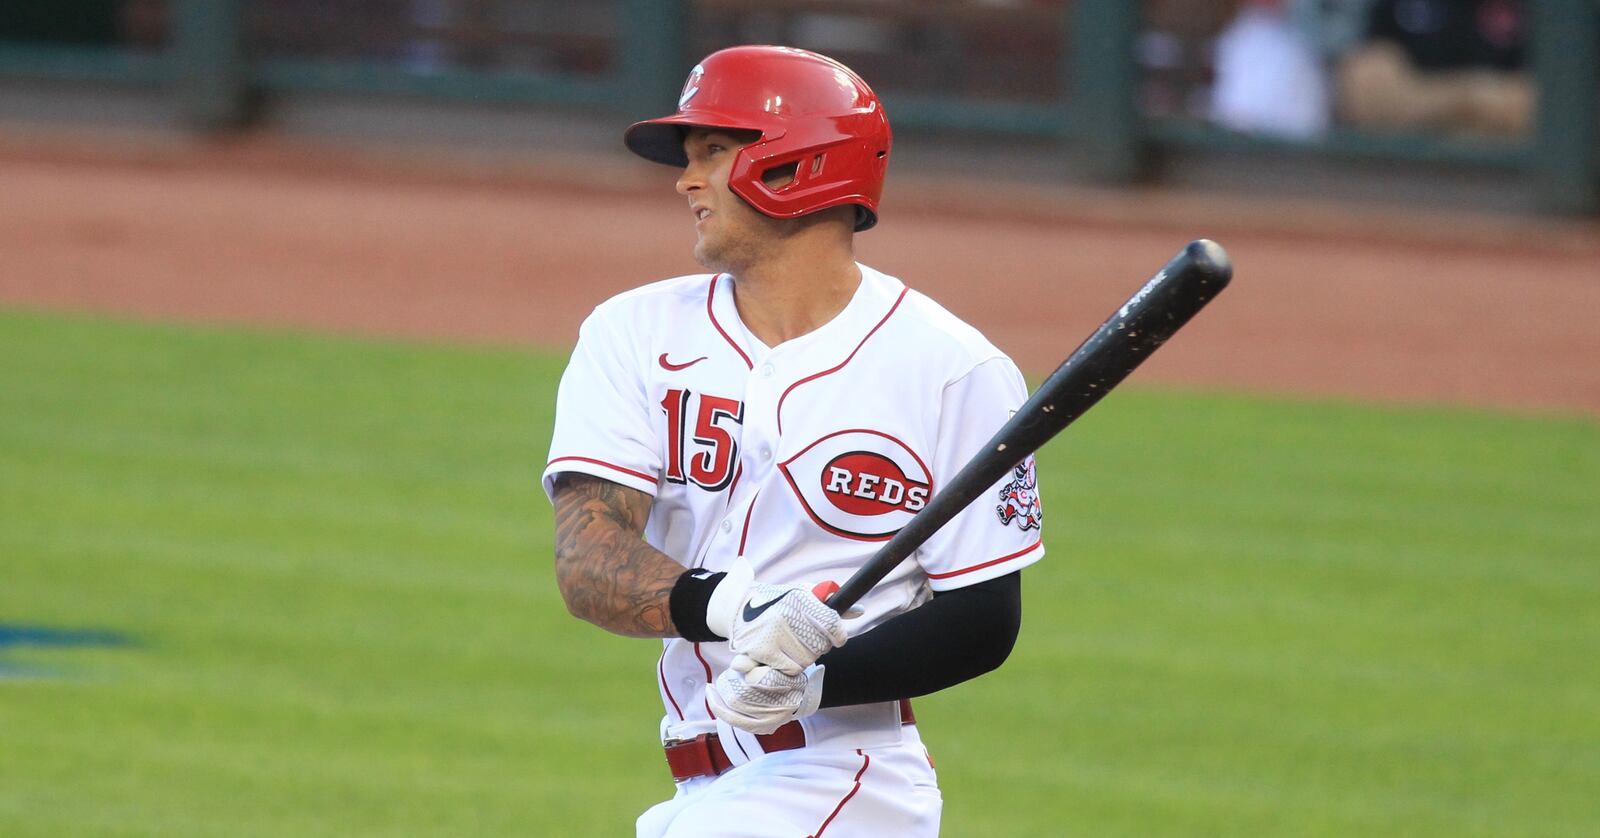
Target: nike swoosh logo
pixel 750 614
pixel 671 367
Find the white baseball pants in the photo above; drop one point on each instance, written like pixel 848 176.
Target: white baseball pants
pixel 813 792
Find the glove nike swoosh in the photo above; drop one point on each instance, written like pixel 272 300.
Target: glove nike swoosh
pixel 750 614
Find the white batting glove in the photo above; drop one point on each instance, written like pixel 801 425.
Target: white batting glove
pixel 785 627
pixel 728 597
pixel 764 699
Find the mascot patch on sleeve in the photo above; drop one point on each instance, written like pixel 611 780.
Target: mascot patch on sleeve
pixel 1019 499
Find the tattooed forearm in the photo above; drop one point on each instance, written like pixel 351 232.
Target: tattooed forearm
pixel 607 573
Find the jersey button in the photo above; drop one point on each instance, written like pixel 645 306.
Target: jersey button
pixel 727 525
pixel 766 370
pixel 766 453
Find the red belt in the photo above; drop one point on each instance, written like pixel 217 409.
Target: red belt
pixel 703 756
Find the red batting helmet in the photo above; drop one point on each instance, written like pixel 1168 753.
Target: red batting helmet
pixel 813 113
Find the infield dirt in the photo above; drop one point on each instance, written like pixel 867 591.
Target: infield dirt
pixel 1328 299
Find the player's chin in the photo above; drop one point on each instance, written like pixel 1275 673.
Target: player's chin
pixel 709 254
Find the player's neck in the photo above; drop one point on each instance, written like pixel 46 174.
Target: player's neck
pixel 782 299
pixel 802 279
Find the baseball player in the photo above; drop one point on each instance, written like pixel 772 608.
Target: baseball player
pixel 727 443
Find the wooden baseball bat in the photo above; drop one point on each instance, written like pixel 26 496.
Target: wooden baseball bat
pixel 1151 316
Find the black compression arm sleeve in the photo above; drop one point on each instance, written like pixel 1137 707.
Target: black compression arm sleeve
pixel 956 636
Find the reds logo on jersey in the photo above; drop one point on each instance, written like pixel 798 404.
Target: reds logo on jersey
pixel 1019 498
pixel 860 484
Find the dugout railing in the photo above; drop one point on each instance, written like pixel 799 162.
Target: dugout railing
pixel 1049 69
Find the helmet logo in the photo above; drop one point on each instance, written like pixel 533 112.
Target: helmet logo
pixel 691 87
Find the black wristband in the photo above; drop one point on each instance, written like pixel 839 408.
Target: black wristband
pixel 687 604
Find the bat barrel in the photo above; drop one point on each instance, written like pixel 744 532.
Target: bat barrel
pixel 1139 327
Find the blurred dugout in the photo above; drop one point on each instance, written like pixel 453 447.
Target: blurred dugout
pixel 1121 81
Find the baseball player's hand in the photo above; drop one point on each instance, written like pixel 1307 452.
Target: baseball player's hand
pixel 785 627
pixel 764 699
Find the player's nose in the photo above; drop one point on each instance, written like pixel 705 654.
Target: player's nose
pixel 690 180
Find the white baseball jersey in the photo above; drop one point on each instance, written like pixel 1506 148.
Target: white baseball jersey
pixel 803 458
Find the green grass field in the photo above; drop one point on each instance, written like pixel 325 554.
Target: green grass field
pixel 1257 617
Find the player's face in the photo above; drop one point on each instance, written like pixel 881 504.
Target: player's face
pixel 732 234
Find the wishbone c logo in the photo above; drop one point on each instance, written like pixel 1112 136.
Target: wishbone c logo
pixel 691 87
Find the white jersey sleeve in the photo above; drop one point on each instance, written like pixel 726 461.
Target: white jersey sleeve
pixel 1000 531
pixel 602 417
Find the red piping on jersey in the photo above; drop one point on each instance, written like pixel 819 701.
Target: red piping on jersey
pixel 991 563
pixel 865 761
pixel 703 662
pixel 628 471
pixel 847 359
pixel 737 473
pixel 661 671
pixel 741 746
pixel 707 666
pixel 748 514
pixel 710 297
